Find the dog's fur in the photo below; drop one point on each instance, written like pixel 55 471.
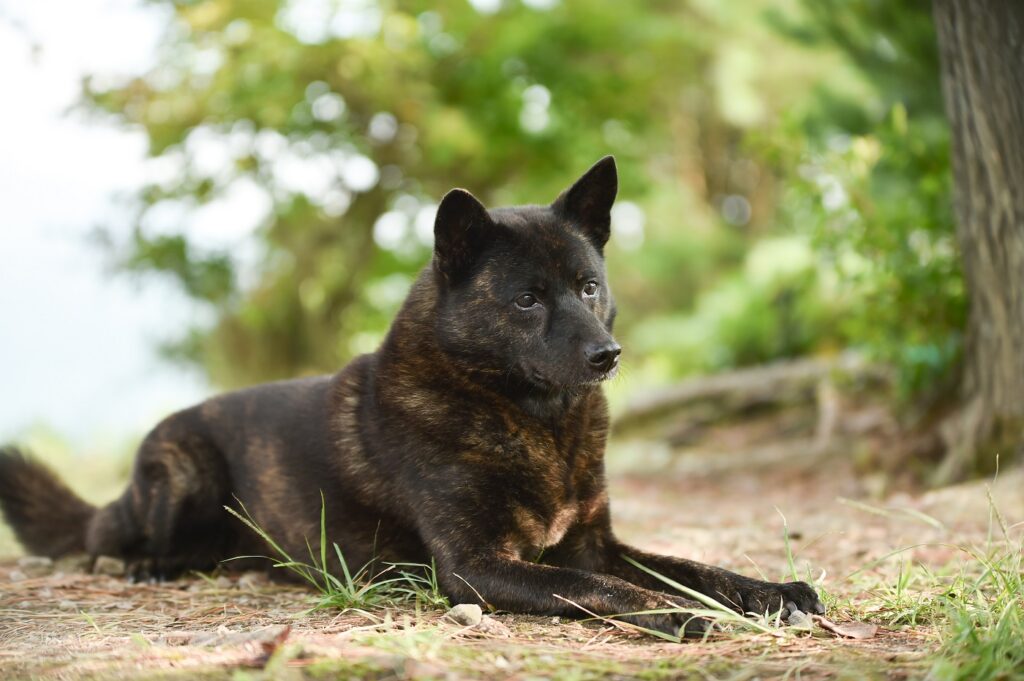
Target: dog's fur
pixel 474 436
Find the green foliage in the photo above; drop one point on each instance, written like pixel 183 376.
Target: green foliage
pixel 985 621
pixel 335 134
pixel 871 183
pixel 781 303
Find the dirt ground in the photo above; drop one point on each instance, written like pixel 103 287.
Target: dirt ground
pixel 70 625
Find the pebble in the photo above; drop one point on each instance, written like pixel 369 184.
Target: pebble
pixel 466 614
pixel 35 566
pixel 493 627
pixel 16 575
pixel 798 618
pixel 67 605
pixel 252 580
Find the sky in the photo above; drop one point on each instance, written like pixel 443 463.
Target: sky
pixel 77 342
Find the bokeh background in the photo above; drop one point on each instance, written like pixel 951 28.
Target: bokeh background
pixel 201 195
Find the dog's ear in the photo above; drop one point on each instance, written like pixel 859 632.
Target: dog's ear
pixel 588 203
pixel 461 230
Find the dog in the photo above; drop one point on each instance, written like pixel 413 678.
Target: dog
pixel 474 437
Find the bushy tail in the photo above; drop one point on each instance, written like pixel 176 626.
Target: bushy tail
pixel 47 517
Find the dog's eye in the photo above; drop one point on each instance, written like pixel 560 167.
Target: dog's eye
pixel 526 300
pixel 590 289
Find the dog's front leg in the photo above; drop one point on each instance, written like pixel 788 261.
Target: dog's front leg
pixel 744 594
pixel 519 586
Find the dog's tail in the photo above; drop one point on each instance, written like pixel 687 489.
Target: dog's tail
pixel 47 517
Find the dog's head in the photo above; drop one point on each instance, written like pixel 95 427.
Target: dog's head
pixel 522 291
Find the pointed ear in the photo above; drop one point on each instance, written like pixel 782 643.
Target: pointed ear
pixel 588 203
pixel 461 230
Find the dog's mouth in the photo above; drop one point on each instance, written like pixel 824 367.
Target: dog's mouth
pixel 606 376
pixel 542 380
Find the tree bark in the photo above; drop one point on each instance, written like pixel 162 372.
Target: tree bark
pixel 981 46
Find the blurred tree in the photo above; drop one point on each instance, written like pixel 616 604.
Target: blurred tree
pixel 868 176
pixel 336 125
pixel 983 76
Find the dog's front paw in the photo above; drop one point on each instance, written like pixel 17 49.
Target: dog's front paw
pixel 768 597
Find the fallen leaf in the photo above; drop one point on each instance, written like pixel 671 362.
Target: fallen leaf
pixel 847 629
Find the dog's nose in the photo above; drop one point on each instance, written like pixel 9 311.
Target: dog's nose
pixel 604 357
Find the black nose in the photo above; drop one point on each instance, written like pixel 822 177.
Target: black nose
pixel 604 357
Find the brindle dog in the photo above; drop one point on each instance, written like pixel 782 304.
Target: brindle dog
pixel 474 436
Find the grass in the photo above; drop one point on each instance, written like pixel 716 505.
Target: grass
pixel 984 635
pixel 361 590
pixel 976 609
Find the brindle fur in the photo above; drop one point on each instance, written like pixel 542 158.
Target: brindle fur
pixel 474 436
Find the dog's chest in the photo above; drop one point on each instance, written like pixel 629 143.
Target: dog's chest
pixel 539 531
pixel 546 475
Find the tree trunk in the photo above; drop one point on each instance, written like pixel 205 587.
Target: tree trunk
pixel 981 45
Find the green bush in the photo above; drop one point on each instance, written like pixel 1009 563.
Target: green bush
pixel 780 303
pixel 867 177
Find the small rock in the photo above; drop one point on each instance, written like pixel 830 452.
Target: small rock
pixel 801 619
pixel 67 605
pixel 489 625
pixel 105 565
pixel 556 620
pixel 35 566
pixel 252 580
pixel 466 614
pixel 16 575
pixel 223 582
